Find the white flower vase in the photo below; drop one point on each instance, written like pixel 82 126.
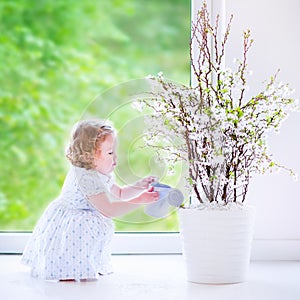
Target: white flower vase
pixel 217 244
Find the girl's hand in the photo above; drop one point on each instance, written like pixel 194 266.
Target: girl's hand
pixel 145 182
pixel 147 197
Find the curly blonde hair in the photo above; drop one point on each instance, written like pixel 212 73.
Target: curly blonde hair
pixel 85 139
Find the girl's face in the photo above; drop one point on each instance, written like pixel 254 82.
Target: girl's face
pixel 105 155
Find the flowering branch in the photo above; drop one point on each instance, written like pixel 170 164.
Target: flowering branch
pixel 213 126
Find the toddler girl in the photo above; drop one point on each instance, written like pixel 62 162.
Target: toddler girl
pixel 72 239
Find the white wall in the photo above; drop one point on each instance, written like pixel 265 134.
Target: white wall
pixel 275 28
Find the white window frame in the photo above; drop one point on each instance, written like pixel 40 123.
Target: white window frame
pixel 123 243
pixel 164 243
pixel 169 243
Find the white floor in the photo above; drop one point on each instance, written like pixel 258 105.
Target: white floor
pixel 159 277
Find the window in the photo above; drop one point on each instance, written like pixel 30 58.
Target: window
pixel 50 74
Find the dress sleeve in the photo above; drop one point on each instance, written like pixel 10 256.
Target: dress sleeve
pixel 92 182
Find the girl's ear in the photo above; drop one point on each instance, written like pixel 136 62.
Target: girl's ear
pixel 97 151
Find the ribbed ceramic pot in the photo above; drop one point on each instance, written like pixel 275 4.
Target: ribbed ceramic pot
pixel 217 244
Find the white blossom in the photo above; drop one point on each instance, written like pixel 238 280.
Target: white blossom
pixel 214 126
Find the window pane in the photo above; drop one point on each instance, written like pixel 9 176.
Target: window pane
pixel 49 74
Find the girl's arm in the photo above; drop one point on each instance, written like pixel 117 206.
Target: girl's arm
pixel 128 192
pixel 113 209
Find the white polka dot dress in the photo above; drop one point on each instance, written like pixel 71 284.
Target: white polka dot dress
pixel 72 239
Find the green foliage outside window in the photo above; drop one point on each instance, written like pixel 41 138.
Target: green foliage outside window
pixel 55 58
